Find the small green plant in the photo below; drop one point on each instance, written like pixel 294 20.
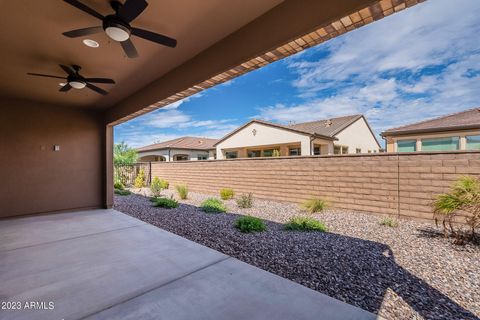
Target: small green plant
pixel 168 203
pixel 300 223
pixel 182 190
pixel 464 196
pixel 250 224
pixel 164 184
pixel 226 193
pixel 118 185
pixel 122 192
pixel 245 201
pixel 389 222
pixel 156 187
pixel 140 179
pixel 314 205
pixel 276 153
pixel 213 205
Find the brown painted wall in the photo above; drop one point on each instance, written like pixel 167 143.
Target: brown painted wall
pixel 402 184
pixel 33 177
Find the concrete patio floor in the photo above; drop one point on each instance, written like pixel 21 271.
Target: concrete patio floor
pixel 103 264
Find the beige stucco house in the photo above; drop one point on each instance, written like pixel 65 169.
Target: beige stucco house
pixel 458 131
pixel 180 149
pixel 258 138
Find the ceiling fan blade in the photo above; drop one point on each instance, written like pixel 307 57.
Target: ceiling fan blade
pixel 69 70
pixel 84 8
pixel 45 75
pixel 129 48
pixel 155 37
pixel 82 32
pixel 100 80
pixel 131 9
pixel 65 88
pixel 96 89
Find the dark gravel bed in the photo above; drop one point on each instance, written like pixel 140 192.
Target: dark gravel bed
pixel 408 272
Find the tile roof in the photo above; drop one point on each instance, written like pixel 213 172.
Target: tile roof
pixel 468 119
pixel 326 127
pixel 193 143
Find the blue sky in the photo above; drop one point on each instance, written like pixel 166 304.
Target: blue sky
pixel 417 64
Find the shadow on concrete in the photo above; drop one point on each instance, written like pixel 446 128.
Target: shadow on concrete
pixel 353 270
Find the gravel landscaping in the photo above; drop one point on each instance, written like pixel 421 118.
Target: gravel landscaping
pixel 407 272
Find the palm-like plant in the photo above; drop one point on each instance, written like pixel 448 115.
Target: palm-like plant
pixel 463 196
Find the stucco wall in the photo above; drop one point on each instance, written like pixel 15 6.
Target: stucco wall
pixel 357 135
pixel 398 184
pixel 264 135
pixel 193 154
pixel 34 177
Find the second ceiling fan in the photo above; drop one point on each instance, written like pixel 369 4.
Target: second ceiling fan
pixel 117 25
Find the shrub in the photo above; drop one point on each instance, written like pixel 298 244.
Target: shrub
pixel 305 224
pixel 212 205
pixel 140 179
pixel 389 222
pixel 168 203
pixel 276 153
pixel 156 187
pixel 245 201
pixel 464 196
pixel 226 193
pixel 314 205
pixel 118 185
pixel 250 224
pixel 122 192
pixel 164 184
pixel 182 190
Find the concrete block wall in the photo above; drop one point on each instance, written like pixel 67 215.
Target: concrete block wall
pixel 398 184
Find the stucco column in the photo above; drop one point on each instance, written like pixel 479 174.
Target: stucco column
pixel 108 167
pixel 330 148
pixel 418 145
pixel 305 146
pixel 463 143
pixel 395 146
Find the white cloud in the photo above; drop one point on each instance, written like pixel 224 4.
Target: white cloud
pixel 379 70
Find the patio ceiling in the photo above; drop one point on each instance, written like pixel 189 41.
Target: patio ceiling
pixel 33 32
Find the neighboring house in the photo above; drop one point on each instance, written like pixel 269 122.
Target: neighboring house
pixel 458 131
pixel 257 138
pixel 180 149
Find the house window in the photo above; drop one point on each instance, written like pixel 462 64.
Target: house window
pixel 337 150
pixel 294 151
pixel 180 157
pixel 254 153
pixel 441 144
pixel 231 154
pixel 358 150
pixel 406 146
pixel 202 157
pixel 344 150
pixel 268 152
pixel 316 151
pixel 473 142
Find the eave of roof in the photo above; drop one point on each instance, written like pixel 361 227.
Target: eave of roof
pixel 429 130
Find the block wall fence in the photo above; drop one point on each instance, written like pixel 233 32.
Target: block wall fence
pixel 386 183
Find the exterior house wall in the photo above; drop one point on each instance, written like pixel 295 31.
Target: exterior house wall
pixel 391 140
pixel 382 183
pixel 169 154
pixel 264 135
pixel 34 177
pixel 357 135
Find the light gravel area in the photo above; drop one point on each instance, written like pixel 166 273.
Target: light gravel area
pixel 408 272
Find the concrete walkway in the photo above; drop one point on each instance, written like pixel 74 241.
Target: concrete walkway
pixel 102 264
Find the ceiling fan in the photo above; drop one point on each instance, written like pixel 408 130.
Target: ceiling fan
pixel 76 81
pixel 117 25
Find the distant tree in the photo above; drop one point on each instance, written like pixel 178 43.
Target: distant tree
pixel 123 154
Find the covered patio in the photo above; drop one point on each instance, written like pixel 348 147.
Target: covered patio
pixel 103 264
pixel 60 241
